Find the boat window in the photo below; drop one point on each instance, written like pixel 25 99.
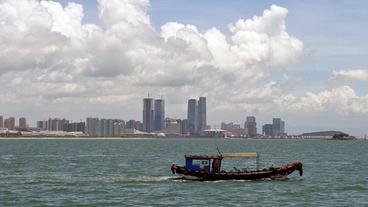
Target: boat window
pixel 238 164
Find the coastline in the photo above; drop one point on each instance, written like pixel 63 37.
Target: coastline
pixel 153 138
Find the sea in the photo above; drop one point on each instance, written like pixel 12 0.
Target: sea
pixel 136 172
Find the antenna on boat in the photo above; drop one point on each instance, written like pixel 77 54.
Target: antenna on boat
pixel 218 150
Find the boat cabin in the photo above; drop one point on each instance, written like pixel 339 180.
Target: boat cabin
pixel 212 163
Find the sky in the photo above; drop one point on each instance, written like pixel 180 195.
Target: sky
pixel 303 61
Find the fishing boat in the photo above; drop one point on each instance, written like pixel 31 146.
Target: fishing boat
pixel 208 168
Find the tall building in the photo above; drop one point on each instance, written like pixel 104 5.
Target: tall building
pixel 267 130
pixel 148 115
pixel 234 129
pixel 278 127
pixel 75 127
pixel 9 123
pixel 93 127
pixel 173 126
pixel 251 126
pixel 192 116
pixel 42 125
pixel 56 124
pixel 202 114
pixel 22 123
pixel 1 122
pixel 118 128
pixel 130 124
pixel 159 114
pixel 184 126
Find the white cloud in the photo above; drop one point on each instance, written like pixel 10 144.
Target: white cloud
pixel 344 75
pixel 51 58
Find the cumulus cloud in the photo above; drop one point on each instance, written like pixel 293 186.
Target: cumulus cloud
pixel 49 56
pixel 344 75
pixel 127 44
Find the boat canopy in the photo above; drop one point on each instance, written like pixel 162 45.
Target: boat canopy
pixel 225 155
pixel 212 162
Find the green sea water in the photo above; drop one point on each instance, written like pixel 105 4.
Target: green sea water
pixel 136 172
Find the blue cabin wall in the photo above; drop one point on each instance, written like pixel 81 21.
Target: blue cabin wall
pixel 199 163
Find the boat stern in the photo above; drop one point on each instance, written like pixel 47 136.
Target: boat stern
pixel 299 167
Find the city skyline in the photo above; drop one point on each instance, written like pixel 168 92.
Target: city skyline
pixel 153 121
pixel 97 58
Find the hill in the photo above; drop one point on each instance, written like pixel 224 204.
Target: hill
pixel 324 133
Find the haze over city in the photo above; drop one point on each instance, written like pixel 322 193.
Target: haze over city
pixel 302 61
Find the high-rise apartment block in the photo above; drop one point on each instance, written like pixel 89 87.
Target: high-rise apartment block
pixel 202 114
pixel 159 114
pixel 184 126
pixel 153 115
pixel 173 126
pixel 22 123
pixel 9 123
pixel 75 127
pixel 267 130
pixel 148 115
pixel 56 124
pixel 192 116
pixel 105 127
pixel 42 125
pixel 278 127
pixel 93 127
pixel 251 126
pixel 1 122
pixel 234 129
pixel 197 115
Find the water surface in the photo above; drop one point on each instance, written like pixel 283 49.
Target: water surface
pixel 137 173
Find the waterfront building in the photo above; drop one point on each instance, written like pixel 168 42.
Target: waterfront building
pixel 130 124
pixel 56 124
pixel 229 126
pixel 278 127
pixel 159 114
pixel 173 126
pixel 234 129
pixel 192 116
pixel 9 123
pixel 251 126
pixel 118 128
pixel 184 126
pixel 202 115
pixel 1 122
pixel 267 130
pixel 75 127
pixel 93 127
pixel 138 126
pixel 22 123
pixel 42 125
pixel 107 126
pixel 148 115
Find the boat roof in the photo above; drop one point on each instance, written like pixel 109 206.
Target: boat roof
pixel 224 155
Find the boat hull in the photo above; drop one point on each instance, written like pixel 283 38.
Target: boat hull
pixel 267 173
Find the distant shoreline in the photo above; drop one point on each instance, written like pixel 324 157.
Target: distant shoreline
pixel 153 138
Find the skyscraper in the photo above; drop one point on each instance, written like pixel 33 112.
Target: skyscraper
pixel 1 122
pixel 278 127
pixel 267 130
pixel 192 116
pixel 42 125
pixel 93 127
pixel 251 126
pixel 202 114
pixel 9 123
pixel 159 114
pixel 22 123
pixel 148 115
